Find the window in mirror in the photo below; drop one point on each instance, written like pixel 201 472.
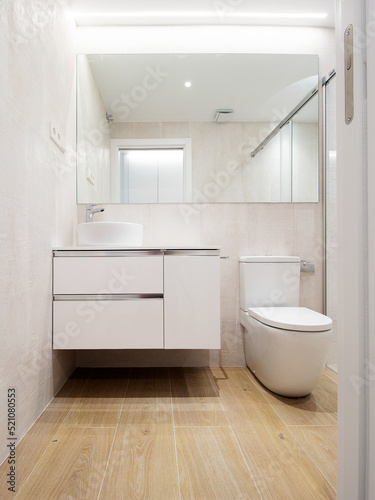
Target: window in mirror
pixel 151 170
pixel 151 175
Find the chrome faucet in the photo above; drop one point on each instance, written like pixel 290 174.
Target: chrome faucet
pixel 90 211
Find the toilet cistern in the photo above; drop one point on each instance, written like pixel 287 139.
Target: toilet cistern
pixel 90 211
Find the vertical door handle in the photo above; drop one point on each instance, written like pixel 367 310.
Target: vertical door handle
pixel 348 55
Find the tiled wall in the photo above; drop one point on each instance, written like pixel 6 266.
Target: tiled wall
pixel 240 229
pixel 37 198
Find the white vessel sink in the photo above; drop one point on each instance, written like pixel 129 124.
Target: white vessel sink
pixel 119 234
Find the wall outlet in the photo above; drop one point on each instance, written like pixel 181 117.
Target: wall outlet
pixel 90 176
pixel 56 136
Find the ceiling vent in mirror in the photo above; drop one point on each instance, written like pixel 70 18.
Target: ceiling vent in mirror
pixel 222 115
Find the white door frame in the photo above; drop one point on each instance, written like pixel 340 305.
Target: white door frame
pixel 356 223
pixel 370 38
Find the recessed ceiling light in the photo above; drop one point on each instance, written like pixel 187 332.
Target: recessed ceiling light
pixel 187 84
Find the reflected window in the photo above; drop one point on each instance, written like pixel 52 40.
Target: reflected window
pixel 151 175
pixel 151 170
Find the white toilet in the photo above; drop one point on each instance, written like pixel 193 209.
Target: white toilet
pixel 286 346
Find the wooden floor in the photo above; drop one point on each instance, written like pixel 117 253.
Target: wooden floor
pixel 180 433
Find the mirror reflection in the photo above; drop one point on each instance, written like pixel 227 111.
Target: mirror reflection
pixel 181 128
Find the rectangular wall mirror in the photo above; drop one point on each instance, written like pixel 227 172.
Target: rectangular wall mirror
pixel 190 128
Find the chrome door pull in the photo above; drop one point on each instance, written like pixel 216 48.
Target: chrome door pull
pixel 348 55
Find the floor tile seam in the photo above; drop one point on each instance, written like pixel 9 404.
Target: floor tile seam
pixel 271 405
pixel 76 399
pixel 307 454
pixel 204 426
pixel 84 385
pixel 57 430
pixel 82 388
pixel 174 436
pixel 327 392
pixel 287 422
pixel 241 452
pixel 212 380
pixel 312 425
pixel 314 463
pixel 310 460
pixel 114 437
pixel 326 407
pixel 275 408
pixel 90 427
pixel 300 445
pixel 96 398
pixel 323 407
pixel 219 397
pixel 227 400
pixel 247 372
pixel 194 398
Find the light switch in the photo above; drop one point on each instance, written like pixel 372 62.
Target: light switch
pixel 56 136
pixel 90 176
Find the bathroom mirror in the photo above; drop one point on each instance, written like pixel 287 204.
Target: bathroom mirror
pixel 181 128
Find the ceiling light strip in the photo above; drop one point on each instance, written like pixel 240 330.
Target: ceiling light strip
pixel 255 15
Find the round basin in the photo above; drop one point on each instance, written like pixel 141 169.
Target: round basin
pixel 119 234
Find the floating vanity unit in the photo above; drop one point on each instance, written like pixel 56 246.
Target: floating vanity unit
pixel 149 298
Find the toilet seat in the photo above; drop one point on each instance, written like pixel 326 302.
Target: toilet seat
pixel 291 318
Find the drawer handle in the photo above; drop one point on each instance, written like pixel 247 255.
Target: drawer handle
pixel 119 296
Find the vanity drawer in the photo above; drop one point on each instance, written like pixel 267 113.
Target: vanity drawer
pixel 108 324
pixel 103 275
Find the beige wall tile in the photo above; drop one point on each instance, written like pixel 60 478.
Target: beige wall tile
pixel 37 188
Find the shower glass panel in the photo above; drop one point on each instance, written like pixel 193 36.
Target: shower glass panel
pixel 305 154
pixel 331 213
pixel 266 178
pixel 285 170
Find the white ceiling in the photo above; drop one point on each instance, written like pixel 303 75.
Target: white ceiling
pixel 182 12
pixel 280 90
pixel 259 87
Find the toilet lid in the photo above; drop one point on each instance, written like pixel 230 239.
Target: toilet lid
pixel 292 318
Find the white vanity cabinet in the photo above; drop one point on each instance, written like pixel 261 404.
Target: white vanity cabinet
pixel 136 299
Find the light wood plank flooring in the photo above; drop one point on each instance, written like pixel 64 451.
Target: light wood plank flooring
pixel 179 433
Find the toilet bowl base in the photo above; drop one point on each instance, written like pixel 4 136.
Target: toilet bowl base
pixel 286 362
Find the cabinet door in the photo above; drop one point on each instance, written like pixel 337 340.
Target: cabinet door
pixel 108 324
pixel 191 302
